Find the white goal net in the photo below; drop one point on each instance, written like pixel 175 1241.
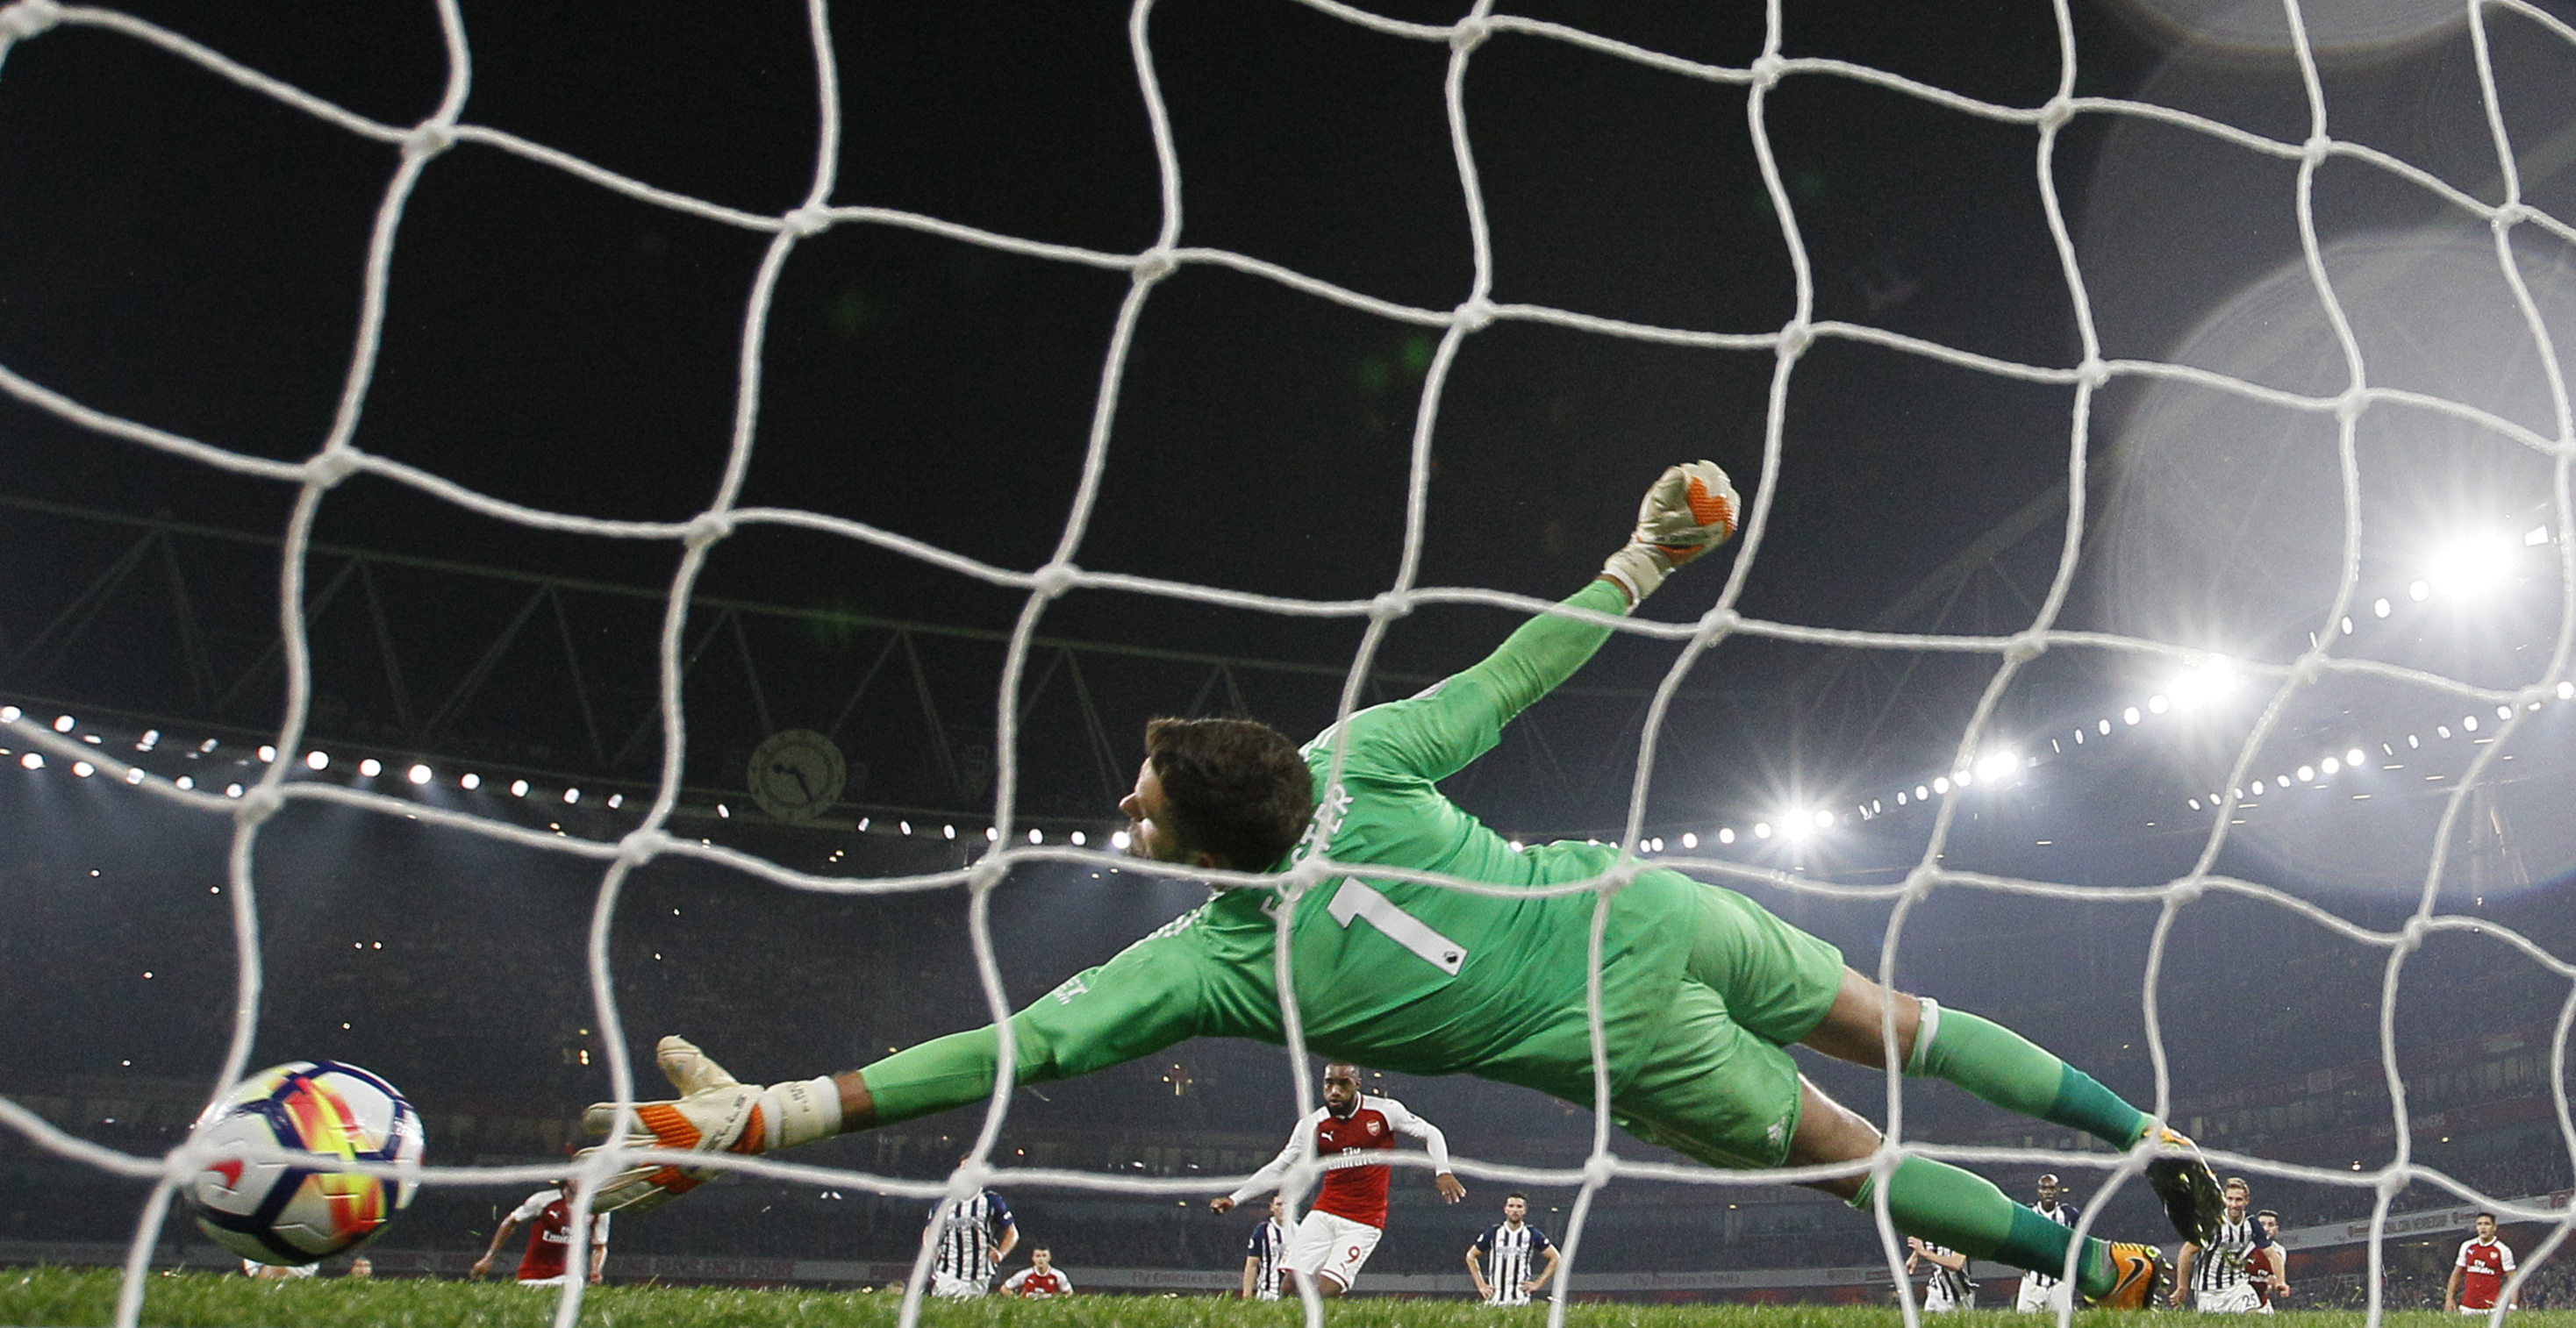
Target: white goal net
pixel 2153 419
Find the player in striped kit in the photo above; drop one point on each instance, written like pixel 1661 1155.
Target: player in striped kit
pixel 1516 1248
pixel 1699 990
pixel 1335 1238
pixel 1265 1255
pixel 2218 1272
pixel 974 1235
pixel 2041 1293
pixel 1948 1288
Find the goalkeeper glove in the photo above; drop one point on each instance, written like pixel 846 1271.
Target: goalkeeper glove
pixel 1689 510
pixel 715 1113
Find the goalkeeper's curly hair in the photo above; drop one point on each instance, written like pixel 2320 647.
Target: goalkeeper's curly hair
pixel 1236 787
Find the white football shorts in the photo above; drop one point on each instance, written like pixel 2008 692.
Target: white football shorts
pixel 1327 1246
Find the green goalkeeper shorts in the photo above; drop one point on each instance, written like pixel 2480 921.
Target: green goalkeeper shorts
pixel 1720 1087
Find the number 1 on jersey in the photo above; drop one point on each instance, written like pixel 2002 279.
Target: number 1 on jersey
pixel 1355 900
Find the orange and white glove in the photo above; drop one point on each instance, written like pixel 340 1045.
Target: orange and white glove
pixel 1689 510
pixel 715 1113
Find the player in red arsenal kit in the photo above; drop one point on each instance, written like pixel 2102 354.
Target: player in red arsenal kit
pixel 549 1211
pixel 1040 1278
pixel 1338 1234
pixel 2477 1276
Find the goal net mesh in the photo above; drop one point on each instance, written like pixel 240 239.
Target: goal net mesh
pixel 2239 498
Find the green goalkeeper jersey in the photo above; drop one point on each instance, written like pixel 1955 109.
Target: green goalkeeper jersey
pixel 1401 975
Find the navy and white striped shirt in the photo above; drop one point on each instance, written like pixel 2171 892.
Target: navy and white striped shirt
pixel 1511 1256
pixel 2220 1265
pixel 968 1235
pixel 2064 1215
pixel 1269 1242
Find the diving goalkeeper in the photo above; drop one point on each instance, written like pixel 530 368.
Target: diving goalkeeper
pixel 1701 988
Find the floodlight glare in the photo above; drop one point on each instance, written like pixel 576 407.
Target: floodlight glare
pixel 2380 608
pixel 572 795
pixel 2129 715
pixel 1941 785
pixel 2566 690
pixel 2307 774
pixel 1921 793
pixel 519 789
pixel 2158 704
pixel 1824 819
pixel 1996 765
pixel 2330 765
pixel 1079 839
pixel 317 760
pixel 32 761
pixel 64 724
pixel 266 752
pixel 1726 834
pixel 2472 566
pixel 133 775
pixel 371 767
pixel 2535 537
pixel 469 781
pixel 9 714
pixel 1762 830
pixel 2419 591
pixel 1117 838
pixel 1037 837
pixel 418 774
pixel 2354 758
pixel 83 769
pixel 1690 839
pixel 183 783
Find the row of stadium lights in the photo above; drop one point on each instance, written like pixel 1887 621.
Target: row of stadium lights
pixel 2465 570
pixel 317 761
pixel 2469 568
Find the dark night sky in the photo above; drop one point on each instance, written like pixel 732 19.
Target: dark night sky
pixel 185 254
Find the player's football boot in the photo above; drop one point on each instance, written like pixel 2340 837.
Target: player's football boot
pixel 715 1113
pixel 2182 1179
pixel 2138 1271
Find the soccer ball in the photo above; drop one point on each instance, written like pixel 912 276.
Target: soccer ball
pixel 297 1213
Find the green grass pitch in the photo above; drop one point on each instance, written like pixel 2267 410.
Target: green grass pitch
pixel 71 1298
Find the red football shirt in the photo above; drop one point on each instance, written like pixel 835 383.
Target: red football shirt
pixel 1352 1190
pixel 2484 1264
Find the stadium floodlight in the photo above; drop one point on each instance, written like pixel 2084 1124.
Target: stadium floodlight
pixel 232 790
pixel 2329 765
pixel 1795 827
pixel 32 761
pixel 1922 794
pixel 2504 712
pixel 151 738
pixel 1690 839
pixel 2380 607
pixel 571 796
pixel 1117 838
pixel 1963 779
pixel 519 789
pixel 1941 784
pixel 469 781
pixel 1824 819
pixel 2258 788
pixel 1079 839
pixel 2471 566
pixel 2419 590
pixel 1762 830
pixel 2130 715
pixel 1996 765
pixel 617 800
pixel 2347 625
pixel 317 759
pixel 267 753
pixel 2535 537
pixel 206 748
pixel 371 767
pixel 2442 731
pixel 83 769
pixel 183 783
pixel 2354 758
pixel 1037 836
pixel 2105 726
pixel 949 831
pixel 2469 722
pixel 723 812
pixel 2566 690
pixel 134 774
pixel 2307 774
pixel 1726 834
pixel 10 714
pixel 1900 797
pixel 2159 703
pixel 418 774
pixel 65 723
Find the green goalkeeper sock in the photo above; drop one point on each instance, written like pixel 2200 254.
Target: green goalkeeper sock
pixel 2014 1073
pixel 1947 1206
